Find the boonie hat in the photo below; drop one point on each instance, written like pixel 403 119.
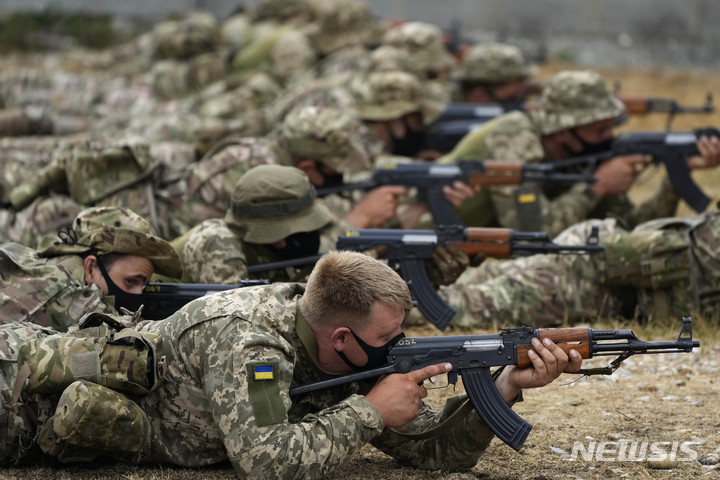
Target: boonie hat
pixel 271 202
pixel 115 230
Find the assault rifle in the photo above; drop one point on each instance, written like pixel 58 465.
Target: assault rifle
pixel 638 104
pixel 430 177
pixel 163 299
pixel 670 148
pixel 408 249
pixel 472 356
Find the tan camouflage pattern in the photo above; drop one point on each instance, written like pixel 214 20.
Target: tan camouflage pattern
pixel 321 92
pixel 573 98
pixel 424 44
pixel 328 135
pixel 215 253
pixel 516 137
pixel 493 63
pixel 338 24
pixel 390 95
pixel 203 413
pixel 293 58
pixel 214 177
pixel 115 230
pixel 18 420
pixel 44 216
pixel 92 420
pixel 49 292
pixel 124 360
pixel 661 269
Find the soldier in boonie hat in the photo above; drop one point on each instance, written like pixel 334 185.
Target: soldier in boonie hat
pixel 396 106
pixel 105 230
pixel 101 263
pixel 574 98
pixel 326 135
pixel 339 24
pixel 494 72
pixel 424 45
pixel 273 216
pixel 272 202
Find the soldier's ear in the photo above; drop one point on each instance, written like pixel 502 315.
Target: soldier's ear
pixel 89 265
pixel 339 338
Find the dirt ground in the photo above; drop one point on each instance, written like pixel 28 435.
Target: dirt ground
pixel 651 398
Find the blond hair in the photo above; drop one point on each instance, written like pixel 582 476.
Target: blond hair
pixel 344 287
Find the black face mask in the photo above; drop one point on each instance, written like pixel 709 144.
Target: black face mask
pixel 512 104
pixel 329 179
pixel 410 144
pixel 131 301
pixel 589 148
pixel 377 356
pixel 297 245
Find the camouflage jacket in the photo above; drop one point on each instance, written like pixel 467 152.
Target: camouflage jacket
pixel 50 292
pixel 515 137
pixel 214 253
pixel 231 359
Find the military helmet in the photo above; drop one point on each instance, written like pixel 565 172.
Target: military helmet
pixel 494 63
pixel 272 202
pixel 327 135
pixel 115 230
pixel 574 98
pixel 424 44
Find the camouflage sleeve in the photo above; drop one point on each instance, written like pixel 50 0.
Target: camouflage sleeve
pixel 51 178
pixel 67 308
pixel 248 387
pixel 460 447
pixel 213 254
pixel 663 204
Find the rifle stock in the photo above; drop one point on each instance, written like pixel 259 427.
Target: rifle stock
pixel 472 356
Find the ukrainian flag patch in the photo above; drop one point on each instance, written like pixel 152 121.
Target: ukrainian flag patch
pixel 264 372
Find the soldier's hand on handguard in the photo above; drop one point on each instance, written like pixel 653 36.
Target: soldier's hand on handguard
pixel 709 157
pixel 377 207
pixel 548 362
pixel 398 397
pixel 447 264
pixel 616 176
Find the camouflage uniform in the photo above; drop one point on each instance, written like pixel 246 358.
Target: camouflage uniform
pixel 325 135
pixel 663 268
pixel 570 99
pixel 269 203
pixel 97 173
pixel 47 287
pixel 213 407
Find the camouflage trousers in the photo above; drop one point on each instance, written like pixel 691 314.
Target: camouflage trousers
pixel 539 290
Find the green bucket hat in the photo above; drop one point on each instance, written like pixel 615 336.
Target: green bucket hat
pixel 115 230
pixel 327 135
pixel 572 99
pixel 272 202
pixel 493 63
